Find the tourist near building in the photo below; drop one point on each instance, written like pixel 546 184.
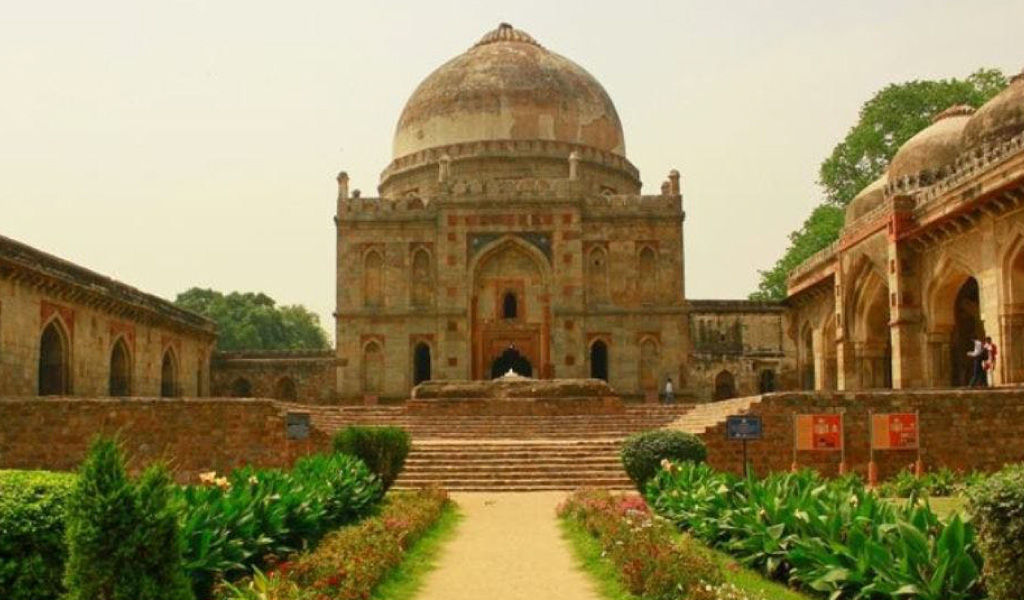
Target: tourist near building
pixel 509 232
pixel 930 258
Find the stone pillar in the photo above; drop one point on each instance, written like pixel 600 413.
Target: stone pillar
pixel 846 369
pixel 342 192
pixel 574 166
pixel 904 300
pixel 444 168
pixel 673 182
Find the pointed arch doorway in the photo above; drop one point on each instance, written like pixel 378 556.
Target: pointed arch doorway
pixel 511 360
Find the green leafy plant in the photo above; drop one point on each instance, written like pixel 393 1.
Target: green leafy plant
pixel 123 537
pixel 240 522
pixel 643 453
pixel 834 537
pixel 32 549
pixel 997 509
pixel 383 449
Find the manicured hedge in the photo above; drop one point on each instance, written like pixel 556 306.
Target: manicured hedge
pixel 997 509
pixel 643 453
pixel 350 562
pixel 834 537
pixel 32 550
pixel 383 449
pixel 653 561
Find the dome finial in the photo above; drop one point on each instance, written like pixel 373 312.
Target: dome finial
pixel 506 33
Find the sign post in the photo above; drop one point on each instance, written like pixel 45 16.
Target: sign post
pixel 744 428
pixel 820 432
pixel 894 431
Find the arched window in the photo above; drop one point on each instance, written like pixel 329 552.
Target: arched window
pixel 648 273
pixel 54 361
pixel 649 365
pixel 599 360
pixel 169 386
pixel 285 389
pixel 373 279
pixel 421 363
pixel 422 281
pixel 767 383
pixel 509 306
pixel 120 369
pixel 725 386
pixel 241 388
pixel 373 368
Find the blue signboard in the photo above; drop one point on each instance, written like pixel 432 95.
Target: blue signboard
pixel 743 427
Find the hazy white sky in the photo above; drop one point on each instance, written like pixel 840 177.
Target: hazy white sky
pixel 194 142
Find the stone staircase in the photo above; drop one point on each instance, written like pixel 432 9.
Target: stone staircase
pixel 520 453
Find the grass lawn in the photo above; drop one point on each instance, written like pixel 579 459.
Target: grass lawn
pixel 943 506
pixel 406 580
pixel 588 552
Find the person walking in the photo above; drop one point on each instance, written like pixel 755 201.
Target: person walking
pixel 979 356
pixel 991 353
pixel 670 397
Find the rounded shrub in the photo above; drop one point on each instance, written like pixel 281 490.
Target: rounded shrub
pixel 383 449
pixel 32 550
pixel 643 452
pixel 997 510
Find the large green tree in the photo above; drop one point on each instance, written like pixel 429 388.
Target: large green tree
pixel 890 118
pixel 253 321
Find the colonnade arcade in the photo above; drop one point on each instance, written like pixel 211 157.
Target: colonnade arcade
pixel 846 332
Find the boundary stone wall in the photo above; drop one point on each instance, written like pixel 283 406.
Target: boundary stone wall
pixel 959 429
pixel 192 435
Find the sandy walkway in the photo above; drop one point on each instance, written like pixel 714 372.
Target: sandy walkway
pixel 508 547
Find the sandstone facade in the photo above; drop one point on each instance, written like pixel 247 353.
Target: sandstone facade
pixel 931 257
pixel 65 330
pixel 510 232
pixel 300 376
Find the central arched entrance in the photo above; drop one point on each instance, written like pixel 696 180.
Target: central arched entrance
pixel 511 359
pixel 510 309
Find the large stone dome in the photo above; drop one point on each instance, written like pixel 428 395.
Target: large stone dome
pixel 999 119
pixel 508 87
pixel 933 151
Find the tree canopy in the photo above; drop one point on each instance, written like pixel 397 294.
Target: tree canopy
pixel 890 118
pixel 253 321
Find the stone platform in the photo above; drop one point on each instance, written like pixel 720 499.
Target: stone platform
pixel 513 395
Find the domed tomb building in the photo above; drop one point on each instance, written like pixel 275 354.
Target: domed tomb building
pixel 931 257
pixel 510 233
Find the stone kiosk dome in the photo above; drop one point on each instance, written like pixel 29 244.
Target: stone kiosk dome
pixel 931 154
pixel 867 199
pixel 507 97
pixel 1000 119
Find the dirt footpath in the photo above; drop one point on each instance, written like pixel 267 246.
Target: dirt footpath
pixel 508 547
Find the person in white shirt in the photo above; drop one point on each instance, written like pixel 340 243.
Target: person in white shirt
pixel 670 397
pixel 980 354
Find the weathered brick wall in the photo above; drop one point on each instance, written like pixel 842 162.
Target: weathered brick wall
pixel 192 435
pixel 266 374
pixel 960 429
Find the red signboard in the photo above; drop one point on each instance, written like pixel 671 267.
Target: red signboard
pixel 894 431
pixel 819 432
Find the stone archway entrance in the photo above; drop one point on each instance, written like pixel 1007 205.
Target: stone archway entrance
pixel 967 327
pixel 512 360
pixel 510 307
